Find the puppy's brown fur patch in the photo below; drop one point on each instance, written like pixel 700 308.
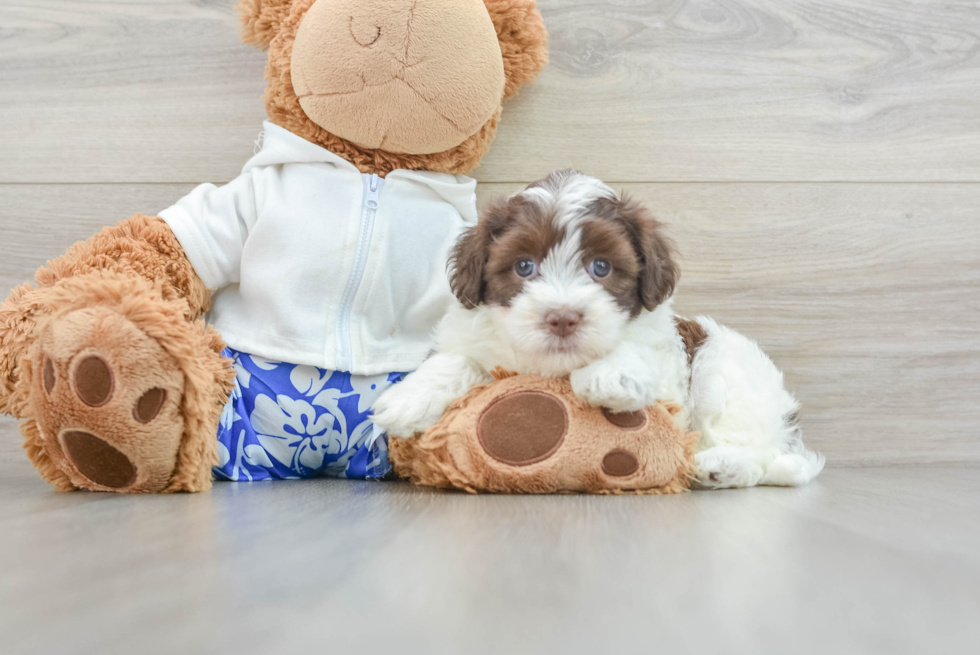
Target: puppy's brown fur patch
pixel 531 236
pixel 693 335
pixel 658 273
pixel 609 240
pixel 482 263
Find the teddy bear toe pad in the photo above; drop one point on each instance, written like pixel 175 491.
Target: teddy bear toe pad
pixel 620 463
pixel 625 420
pixel 93 381
pixel 523 428
pixel 106 397
pixel 97 460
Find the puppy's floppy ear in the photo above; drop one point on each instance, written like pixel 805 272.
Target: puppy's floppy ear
pixel 468 261
pixel 466 265
pixel 659 273
pixel 523 40
pixel 261 20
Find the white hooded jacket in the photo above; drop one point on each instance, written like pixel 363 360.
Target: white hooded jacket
pixel 314 263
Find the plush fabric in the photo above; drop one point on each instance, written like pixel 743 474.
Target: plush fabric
pixel 380 80
pixel 148 343
pixel 141 246
pixel 261 19
pixel 523 41
pixel 131 292
pixel 529 434
pixel 523 47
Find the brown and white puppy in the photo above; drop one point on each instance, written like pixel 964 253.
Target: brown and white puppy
pixel 568 278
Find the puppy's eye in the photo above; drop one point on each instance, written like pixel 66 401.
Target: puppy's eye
pixel 600 268
pixel 526 268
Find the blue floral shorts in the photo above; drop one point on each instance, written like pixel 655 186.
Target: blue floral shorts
pixel 286 421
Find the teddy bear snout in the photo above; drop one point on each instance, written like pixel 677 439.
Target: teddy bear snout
pixel 405 76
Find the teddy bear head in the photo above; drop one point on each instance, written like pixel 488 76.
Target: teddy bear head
pixel 386 84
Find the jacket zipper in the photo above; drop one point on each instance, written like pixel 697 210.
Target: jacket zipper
pixel 369 210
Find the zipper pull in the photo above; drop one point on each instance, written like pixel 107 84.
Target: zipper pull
pixel 374 192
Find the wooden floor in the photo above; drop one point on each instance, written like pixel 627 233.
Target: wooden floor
pixel 876 560
pixel 818 162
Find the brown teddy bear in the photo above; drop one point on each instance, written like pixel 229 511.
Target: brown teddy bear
pixel 530 434
pixel 323 264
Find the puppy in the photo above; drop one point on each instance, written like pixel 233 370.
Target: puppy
pixel 567 278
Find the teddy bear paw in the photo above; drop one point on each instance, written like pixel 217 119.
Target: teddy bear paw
pixel 107 399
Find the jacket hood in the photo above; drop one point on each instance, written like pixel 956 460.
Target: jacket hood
pixel 280 146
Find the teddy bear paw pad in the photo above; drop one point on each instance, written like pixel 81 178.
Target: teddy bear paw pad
pixel 97 460
pixel 107 400
pixel 620 463
pixel 625 420
pixel 523 428
pixel 93 381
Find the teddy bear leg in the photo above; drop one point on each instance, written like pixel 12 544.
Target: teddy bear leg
pixel 124 393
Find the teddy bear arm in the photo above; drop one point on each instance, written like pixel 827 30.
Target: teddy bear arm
pixel 19 314
pixel 141 246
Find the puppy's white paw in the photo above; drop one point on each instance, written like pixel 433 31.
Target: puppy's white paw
pixel 405 410
pixel 793 470
pixel 603 384
pixel 726 467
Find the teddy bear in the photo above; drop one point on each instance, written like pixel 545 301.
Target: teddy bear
pixel 321 268
pixel 531 434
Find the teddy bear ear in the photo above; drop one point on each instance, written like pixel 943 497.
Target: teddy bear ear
pixel 523 40
pixel 261 20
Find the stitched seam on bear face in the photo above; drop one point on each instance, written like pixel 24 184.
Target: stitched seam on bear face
pixel 350 28
pixel 408 31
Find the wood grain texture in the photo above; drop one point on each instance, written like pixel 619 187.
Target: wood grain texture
pixel 289 567
pixel 39 222
pixel 866 295
pixel 659 90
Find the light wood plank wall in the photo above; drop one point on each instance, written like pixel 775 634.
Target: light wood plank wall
pixel 818 162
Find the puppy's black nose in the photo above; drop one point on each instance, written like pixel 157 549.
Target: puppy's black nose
pixel 563 322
